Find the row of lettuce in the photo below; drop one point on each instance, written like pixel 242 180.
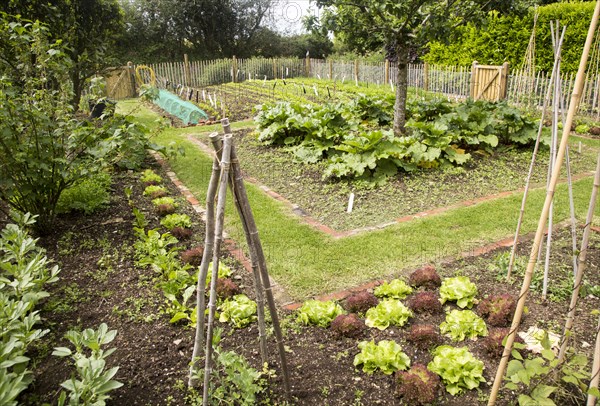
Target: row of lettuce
pixel 353 139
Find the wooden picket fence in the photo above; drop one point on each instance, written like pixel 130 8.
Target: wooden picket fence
pixel 453 82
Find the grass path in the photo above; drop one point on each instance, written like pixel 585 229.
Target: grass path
pixel 307 262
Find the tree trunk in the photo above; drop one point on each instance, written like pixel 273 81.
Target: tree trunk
pixel 401 91
pixel 77 88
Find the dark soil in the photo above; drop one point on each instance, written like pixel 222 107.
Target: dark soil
pixel 99 282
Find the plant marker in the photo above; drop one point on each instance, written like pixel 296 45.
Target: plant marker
pixel 315 89
pixel 204 95
pixel 350 203
pixel 392 85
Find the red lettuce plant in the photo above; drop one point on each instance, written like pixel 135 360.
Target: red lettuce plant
pixel 361 301
pixel 424 336
pixel 193 256
pixel 227 288
pixel 425 302
pixel 348 325
pixel 498 310
pixel 493 342
pixel 417 386
pixel 182 233
pixel 426 277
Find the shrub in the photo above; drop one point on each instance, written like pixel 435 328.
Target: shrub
pixel 348 325
pixel 227 288
pixel 87 195
pixel 426 277
pixel 498 309
pixel 425 302
pixel 361 301
pixel 193 256
pixel 493 343
pixel 424 336
pixel 165 209
pixel 417 386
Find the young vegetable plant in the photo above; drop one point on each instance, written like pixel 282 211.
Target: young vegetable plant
pixel 163 201
pixel 348 325
pixel 361 301
pixel 239 311
pixel 155 191
pixel 461 324
pixel 426 277
pixel 172 221
pixel 457 367
pixel 388 312
pixel 417 386
pixel 92 383
pixel 396 289
pixel 386 356
pixel 319 313
pixel 149 177
pixel 424 336
pixel 459 289
pixel 498 309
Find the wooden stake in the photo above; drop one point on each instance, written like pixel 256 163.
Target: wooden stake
pixel 580 264
pixel 575 98
pixel 257 251
pixel 220 217
pixel 208 249
pixel 591 401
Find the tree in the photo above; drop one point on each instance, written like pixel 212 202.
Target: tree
pixel 401 27
pixel 88 29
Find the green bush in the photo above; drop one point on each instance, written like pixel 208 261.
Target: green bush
pixel 88 195
pixel 505 38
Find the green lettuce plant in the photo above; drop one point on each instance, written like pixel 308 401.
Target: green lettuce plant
pixel 159 201
pixel 459 289
pixel 396 289
pixel 388 312
pixel 176 220
pixel 155 191
pixel 319 313
pixel 386 356
pixel 238 311
pixel 461 324
pixel 149 177
pixel 457 367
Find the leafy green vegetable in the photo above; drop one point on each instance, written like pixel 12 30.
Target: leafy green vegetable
pixel 223 272
pixel 319 313
pixel 149 176
pixel 461 324
pixel 386 355
pixel 396 289
pixel 459 289
pixel 153 189
pixel 457 367
pixel 164 200
pixel 388 312
pixel 239 311
pixel 176 220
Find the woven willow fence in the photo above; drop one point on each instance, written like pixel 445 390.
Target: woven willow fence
pixel 450 81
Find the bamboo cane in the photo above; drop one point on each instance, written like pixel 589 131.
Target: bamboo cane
pixel 575 97
pixel 260 302
pixel 256 245
pixel 219 220
pixel 581 264
pixel 511 262
pixel 591 401
pixel 208 248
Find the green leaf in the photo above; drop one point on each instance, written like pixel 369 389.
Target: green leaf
pixel 516 354
pixel 178 316
pixel 387 312
pixel 62 352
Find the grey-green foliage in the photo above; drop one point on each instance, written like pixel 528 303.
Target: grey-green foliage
pixel 24 270
pixel 92 382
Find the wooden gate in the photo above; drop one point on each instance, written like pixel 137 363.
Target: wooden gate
pixel 489 82
pixel 120 82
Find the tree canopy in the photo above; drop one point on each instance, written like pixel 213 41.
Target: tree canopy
pixel 404 26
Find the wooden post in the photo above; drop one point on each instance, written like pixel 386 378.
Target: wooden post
pixel 274 69
pixel 234 69
pixel 473 83
pixel 186 70
pixel 356 71
pixel 387 72
pixel 131 79
pixel 503 81
pixel 575 99
pixel 330 69
pixel 426 76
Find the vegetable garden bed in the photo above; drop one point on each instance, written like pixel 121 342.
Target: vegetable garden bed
pixel 99 282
